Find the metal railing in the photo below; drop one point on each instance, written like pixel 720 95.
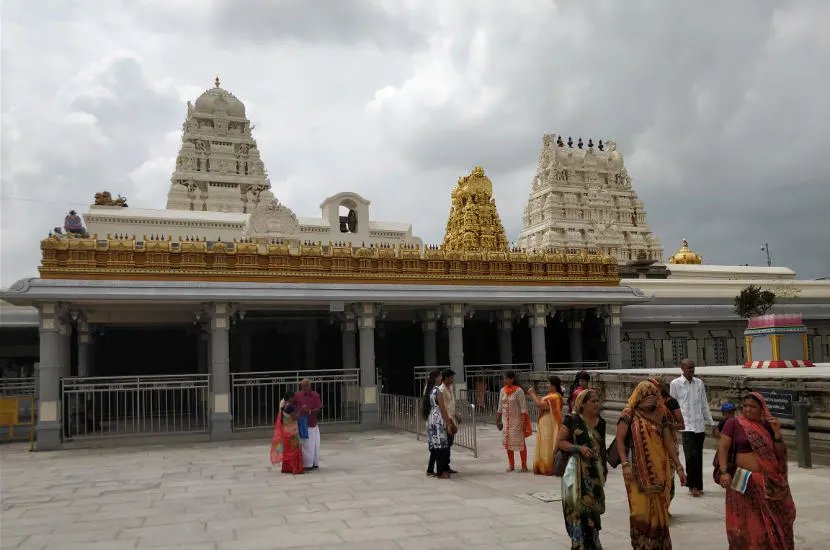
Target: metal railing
pixel 487 404
pixel 119 406
pixel 583 365
pixel 17 387
pixel 255 396
pixel 486 377
pixel 403 412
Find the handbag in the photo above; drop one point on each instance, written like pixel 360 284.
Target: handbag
pixel 302 427
pixel 612 456
pixel 560 462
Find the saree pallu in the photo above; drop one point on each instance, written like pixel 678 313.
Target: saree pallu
pixel 547 432
pixel 286 447
pixel 583 486
pixel 649 493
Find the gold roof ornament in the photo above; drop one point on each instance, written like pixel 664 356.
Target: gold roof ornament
pixel 216 82
pixel 686 256
pixel 474 224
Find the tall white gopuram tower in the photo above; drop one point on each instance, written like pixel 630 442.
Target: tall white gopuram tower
pixel 582 197
pixel 218 168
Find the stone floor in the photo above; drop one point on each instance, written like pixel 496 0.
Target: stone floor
pixel 370 493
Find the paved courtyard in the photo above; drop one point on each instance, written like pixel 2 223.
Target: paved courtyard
pixel 370 493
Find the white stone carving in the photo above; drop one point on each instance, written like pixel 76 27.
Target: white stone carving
pixel 583 198
pixel 272 218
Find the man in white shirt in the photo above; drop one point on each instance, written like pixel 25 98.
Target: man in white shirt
pixel 447 389
pixel 691 394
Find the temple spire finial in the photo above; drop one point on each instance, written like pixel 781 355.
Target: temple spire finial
pixel 216 81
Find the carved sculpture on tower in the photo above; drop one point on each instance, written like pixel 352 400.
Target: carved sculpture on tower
pixel 581 197
pixel 218 167
pixel 474 224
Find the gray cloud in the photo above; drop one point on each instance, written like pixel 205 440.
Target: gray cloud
pixel 719 113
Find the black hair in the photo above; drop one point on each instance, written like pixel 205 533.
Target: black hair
pixel 426 406
pixel 556 383
pixel 510 375
pixel 288 396
pixel 446 373
pixel 581 375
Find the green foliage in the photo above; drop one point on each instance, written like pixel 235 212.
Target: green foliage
pixel 752 302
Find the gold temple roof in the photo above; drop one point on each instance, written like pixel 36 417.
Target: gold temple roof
pixel 473 224
pixel 686 256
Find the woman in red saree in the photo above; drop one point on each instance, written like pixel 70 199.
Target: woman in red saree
pixel 761 516
pixel 285 445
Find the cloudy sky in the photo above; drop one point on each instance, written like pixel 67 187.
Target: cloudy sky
pixel 722 114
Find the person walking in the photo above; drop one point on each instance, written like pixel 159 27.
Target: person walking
pixel 644 443
pixel 310 404
pixel 438 425
pixel 433 381
pixel 694 405
pixel 513 421
pixel 447 389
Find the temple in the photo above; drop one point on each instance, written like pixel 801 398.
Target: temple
pixel 202 313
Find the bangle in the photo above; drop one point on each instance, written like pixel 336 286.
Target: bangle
pixel 779 439
pixel 724 472
pixel 626 463
pixel 574 448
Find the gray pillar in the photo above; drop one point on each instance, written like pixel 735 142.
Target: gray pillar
pixel 614 322
pixel 349 345
pixel 709 351
pixel 65 348
pixel 428 326
pixel 650 353
pixel 48 428
pixel 455 326
pixel 366 313
pixel 311 345
pixel 83 348
pixel 537 320
pixel 505 327
pixel 731 352
pixel 691 352
pixel 220 418
pixel 575 336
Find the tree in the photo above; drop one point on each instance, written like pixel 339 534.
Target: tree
pixel 752 302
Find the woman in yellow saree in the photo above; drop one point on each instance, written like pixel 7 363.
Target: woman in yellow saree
pixel 644 441
pixel 547 431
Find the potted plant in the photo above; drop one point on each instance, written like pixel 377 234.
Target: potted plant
pixel 754 302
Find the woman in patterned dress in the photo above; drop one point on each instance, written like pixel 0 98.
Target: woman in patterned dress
pixel 438 423
pixel 513 421
pixel 583 486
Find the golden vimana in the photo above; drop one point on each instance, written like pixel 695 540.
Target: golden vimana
pixel 475 250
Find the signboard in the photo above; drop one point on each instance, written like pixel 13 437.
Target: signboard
pixel 780 402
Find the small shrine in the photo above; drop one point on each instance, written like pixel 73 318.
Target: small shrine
pixel 686 256
pixel 776 342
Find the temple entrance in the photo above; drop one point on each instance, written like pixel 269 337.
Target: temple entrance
pixel 138 351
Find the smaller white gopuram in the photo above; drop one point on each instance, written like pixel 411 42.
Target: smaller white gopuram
pixel 581 197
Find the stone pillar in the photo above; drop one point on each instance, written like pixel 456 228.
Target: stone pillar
pixel 505 327
pixel 347 328
pixel 429 325
pixel 650 354
pixel 575 336
pixel 537 320
pixel 366 314
pixel 731 352
pixel 220 418
pixel 613 323
pixel 65 332
pixel 691 350
pixel 455 324
pixel 84 342
pixel 709 351
pixel 48 428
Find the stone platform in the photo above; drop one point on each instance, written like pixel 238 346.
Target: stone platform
pixel 370 492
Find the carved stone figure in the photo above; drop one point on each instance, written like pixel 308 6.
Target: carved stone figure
pixel 104 198
pixel 73 225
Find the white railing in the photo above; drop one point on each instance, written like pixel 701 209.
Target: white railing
pixel 17 387
pixel 255 396
pixel 487 377
pixel 120 406
pixel 403 412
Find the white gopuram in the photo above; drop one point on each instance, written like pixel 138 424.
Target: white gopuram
pixel 581 197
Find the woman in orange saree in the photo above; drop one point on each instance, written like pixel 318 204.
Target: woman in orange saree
pixel 285 444
pixel 752 450
pixel 644 442
pixel 547 428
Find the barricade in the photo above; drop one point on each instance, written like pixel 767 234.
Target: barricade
pixel 255 396
pixel 402 412
pixel 121 406
pixel 18 412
